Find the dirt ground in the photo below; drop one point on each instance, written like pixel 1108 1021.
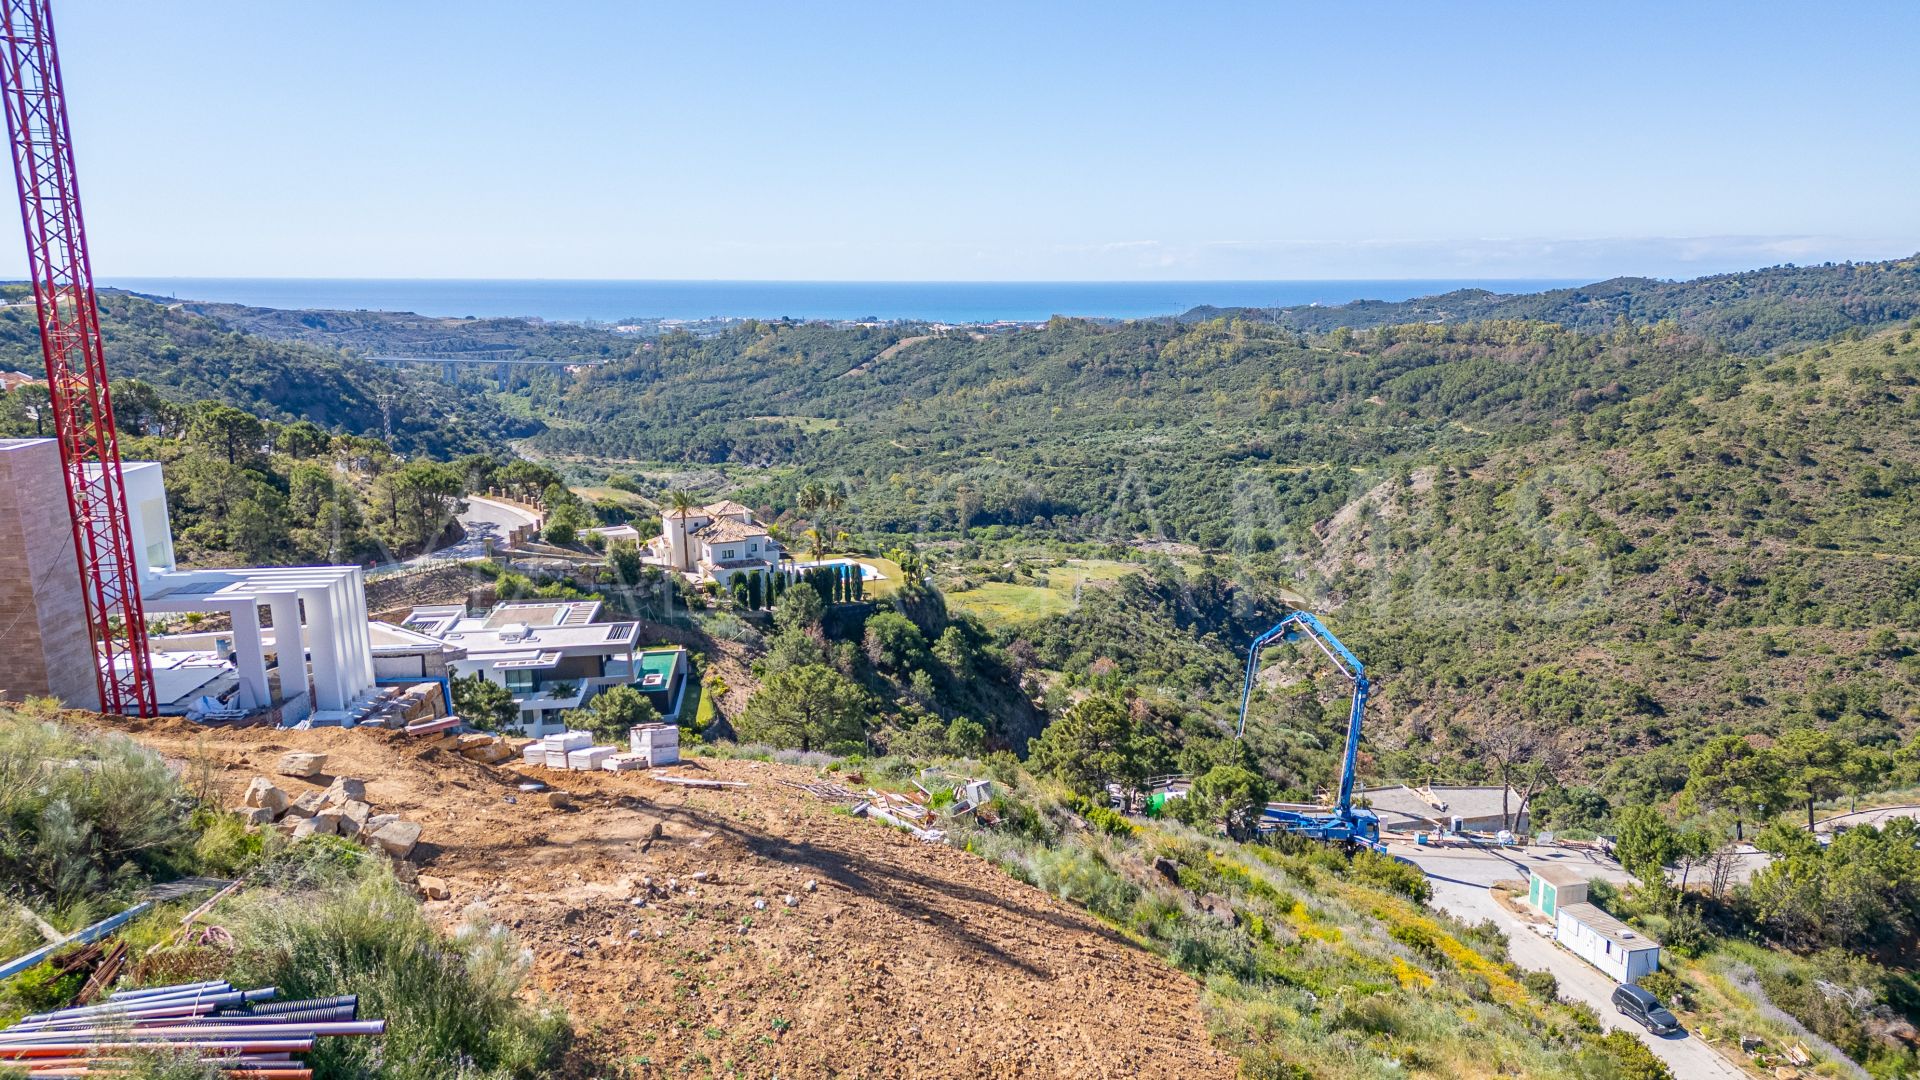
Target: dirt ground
pixel 894 957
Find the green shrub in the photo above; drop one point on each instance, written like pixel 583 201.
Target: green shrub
pixel 1624 1057
pixel 323 928
pixel 1666 986
pixel 1391 874
pixel 84 814
pixel 38 989
pixel 226 846
pixel 1541 984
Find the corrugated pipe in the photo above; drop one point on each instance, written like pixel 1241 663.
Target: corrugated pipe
pixel 351 1001
pixel 324 1012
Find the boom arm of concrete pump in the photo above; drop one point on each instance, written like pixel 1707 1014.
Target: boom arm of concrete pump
pixel 1302 624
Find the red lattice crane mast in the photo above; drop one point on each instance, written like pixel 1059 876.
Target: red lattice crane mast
pixel 76 363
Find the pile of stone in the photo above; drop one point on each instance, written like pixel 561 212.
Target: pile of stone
pixel 340 809
pixel 485 749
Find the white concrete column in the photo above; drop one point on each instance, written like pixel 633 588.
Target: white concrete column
pixel 290 643
pixel 250 655
pixel 362 638
pixel 323 639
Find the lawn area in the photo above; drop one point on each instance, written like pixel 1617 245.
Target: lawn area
pixel 1007 603
pixel 625 498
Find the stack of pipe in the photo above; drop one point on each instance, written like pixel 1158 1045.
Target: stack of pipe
pixel 245 1032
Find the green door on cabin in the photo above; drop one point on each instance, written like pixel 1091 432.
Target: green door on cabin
pixel 1544 896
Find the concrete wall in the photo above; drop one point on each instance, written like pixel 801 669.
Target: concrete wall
pixel 44 644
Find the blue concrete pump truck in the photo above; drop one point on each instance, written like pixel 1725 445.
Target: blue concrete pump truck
pixel 1343 823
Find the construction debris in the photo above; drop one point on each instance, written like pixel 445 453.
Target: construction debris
pixel 243 1031
pixel 301 765
pixel 430 727
pixel 85 937
pixel 397 837
pixel 690 781
pixel 830 792
pixel 263 794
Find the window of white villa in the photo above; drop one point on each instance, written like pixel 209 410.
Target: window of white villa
pixel 519 680
pixel 753 546
pixel 727 554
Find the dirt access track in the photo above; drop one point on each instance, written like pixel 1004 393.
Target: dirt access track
pixel 895 957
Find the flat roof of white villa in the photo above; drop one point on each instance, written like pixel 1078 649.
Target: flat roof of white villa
pixel 521 627
pixel 389 639
pixel 542 613
pixel 216 590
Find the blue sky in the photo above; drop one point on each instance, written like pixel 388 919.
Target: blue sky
pixel 989 141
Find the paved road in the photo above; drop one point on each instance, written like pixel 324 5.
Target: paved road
pixel 1460 878
pixel 1877 817
pixel 484 519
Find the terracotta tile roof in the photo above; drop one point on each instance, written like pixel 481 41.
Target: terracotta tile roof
pixel 728 531
pixel 726 508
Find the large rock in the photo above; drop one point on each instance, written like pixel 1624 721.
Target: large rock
pixel 303 765
pixel 254 815
pixel 397 838
pixel 346 789
pixel 355 814
pixel 433 888
pixel 329 823
pixel 307 805
pixel 474 741
pixel 489 753
pixel 263 794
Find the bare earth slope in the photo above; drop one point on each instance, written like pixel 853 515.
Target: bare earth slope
pixel 902 959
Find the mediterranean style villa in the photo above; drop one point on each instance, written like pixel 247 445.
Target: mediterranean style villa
pixel 715 542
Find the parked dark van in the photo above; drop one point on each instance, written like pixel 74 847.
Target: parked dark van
pixel 1645 1009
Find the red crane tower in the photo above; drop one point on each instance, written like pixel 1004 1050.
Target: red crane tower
pixel 76 362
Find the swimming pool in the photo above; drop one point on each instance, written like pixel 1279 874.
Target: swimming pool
pixel 867 573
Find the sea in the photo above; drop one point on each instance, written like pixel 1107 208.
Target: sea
pixel 931 301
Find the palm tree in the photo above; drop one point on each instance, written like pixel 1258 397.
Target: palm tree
pixel 682 503
pixel 816 543
pixel 810 496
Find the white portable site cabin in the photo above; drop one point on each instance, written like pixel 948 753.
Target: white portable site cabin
pixel 1622 952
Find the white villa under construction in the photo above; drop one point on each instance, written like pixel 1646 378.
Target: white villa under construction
pixel 309 660
pixel 714 542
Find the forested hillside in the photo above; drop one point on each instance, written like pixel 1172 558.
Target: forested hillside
pixel 188 358
pixel 1639 534
pixel 406 334
pixel 1754 310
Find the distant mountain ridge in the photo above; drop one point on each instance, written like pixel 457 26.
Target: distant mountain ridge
pixel 1750 311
